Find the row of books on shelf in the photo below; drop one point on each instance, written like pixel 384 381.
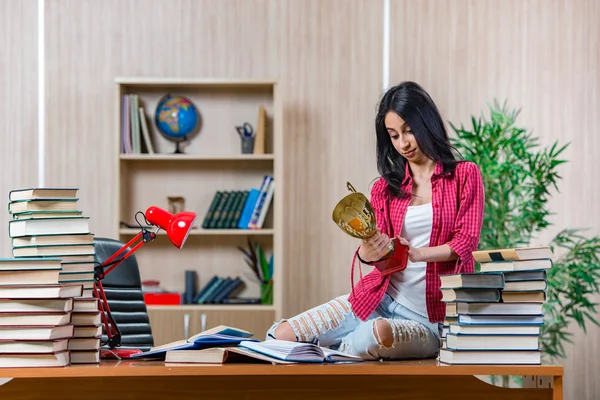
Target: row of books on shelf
pixel 494 315
pixel 240 209
pixel 219 290
pixel 135 133
pixel 48 315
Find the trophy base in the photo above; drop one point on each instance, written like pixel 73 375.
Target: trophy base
pixel 395 261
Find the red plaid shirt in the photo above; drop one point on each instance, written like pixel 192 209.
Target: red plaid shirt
pixel 458 204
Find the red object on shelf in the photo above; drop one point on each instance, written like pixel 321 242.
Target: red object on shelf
pixel 162 299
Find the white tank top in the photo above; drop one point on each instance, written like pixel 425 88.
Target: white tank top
pixel 408 287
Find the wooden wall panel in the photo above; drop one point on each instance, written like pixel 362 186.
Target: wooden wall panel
pixel 541 56
pixel 332 71
pixel 18 104
pixel 326 54
pixel 90 43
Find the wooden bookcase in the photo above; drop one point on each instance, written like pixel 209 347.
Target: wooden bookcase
pixel 213 160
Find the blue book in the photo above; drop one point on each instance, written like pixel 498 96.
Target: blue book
pixel 248 209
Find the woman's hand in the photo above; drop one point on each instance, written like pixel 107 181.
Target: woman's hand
pixel 374 248
pixel 414 254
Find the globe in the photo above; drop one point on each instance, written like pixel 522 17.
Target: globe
pixel 176 118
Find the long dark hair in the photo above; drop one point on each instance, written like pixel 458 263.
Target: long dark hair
pixel 414 105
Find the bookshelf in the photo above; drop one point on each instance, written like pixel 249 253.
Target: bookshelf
pixel 212 161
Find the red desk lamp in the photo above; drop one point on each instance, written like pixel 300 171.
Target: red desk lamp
pixel 178 228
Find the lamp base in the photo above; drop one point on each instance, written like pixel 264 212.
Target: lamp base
pixel 117 354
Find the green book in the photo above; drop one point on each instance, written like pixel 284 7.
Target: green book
pixel 237 214
pixel 211 209
pixel 220 223
pixel 212 223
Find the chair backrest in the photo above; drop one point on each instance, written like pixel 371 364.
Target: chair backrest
pixel 123 289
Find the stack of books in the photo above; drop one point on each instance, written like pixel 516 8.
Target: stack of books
pixel 35 313
pixel 494 315
pixel 47 222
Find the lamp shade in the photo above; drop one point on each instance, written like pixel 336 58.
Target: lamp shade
pixel 177 226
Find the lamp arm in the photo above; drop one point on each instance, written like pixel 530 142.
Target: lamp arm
pixel 102 270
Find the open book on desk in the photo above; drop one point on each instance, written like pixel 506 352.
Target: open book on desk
pixel 298 352
pixel 215 337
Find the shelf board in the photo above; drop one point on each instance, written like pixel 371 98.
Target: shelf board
pixel 209 232
pixel 212 307
pixel 195 157
pixel 202 82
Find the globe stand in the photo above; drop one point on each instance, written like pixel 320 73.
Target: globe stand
pixel 177 148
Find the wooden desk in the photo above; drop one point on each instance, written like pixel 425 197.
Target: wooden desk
pixel 369 380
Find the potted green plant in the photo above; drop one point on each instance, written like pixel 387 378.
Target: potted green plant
pixel 519 176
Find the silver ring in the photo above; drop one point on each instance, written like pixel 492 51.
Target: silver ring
pixel 391 246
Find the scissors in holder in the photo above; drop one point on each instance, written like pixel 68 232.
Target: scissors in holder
pixel 246 130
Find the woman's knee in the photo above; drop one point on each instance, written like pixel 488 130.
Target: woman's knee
pixel 384 335
pixel 284 331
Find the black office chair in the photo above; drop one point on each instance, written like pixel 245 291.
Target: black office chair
pixel 123 290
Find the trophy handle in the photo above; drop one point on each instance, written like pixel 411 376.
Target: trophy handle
pixel 350 187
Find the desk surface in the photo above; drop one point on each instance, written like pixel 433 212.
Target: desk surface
pixel 156 368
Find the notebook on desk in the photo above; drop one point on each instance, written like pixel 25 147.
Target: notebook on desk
pixel 218 336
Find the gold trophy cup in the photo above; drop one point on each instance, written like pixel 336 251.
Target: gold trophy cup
pixel 354 215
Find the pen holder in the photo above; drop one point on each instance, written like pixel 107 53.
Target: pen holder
pixel 248 145
pixel 266 292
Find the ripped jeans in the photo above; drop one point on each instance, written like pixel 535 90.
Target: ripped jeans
pixel 334 325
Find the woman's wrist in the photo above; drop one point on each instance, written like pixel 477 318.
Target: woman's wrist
pixel 361 259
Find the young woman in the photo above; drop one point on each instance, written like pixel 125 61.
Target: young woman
pixel 434 203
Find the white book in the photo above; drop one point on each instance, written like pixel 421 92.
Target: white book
pixel 298 352
pixel 63 226
pixel 490 357
pixel 60 359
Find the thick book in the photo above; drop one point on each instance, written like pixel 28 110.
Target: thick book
pixel 500 320
pixel 63 226
pixel 36 305
pixel 500 308
pixel 472 281
pixel 36 332
pixel 525 286
pixel 30 263
pixel 515 254
pixel 494 329
pixel 492 357
pixel 221 355
pixel 35 319
pixel 30 277
pixel 514 266
pixel 47 214
pixel 299 352
pixel 54 250
pixel 41 193
pixel 492 342
pixel 524 297
pixel 40 291
pixel 215 337
pixel 52 239
pixel 45 205
pixel 470 295
pixel 33 346
pixel 59 359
